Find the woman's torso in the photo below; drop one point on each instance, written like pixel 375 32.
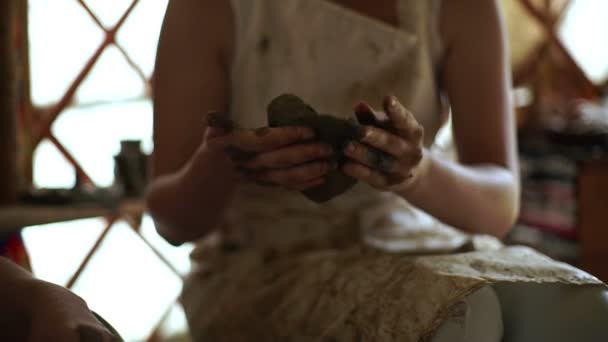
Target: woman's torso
pixel 334 58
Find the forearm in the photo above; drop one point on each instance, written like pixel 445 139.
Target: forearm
pixel 188 204
pixel 14 305
pixel 478 199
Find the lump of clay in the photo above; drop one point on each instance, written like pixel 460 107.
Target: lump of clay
pixel 290 110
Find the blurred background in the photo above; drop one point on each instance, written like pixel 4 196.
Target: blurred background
pixel 77 131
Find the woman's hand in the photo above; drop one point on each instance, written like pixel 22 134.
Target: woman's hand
pixel 58 315
pixel 281 156
pixel 389 154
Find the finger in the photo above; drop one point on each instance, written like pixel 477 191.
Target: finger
pixel 307 185
pixel 366 175
pixel 397 178
pixel 219 120
pixel 380 150
pixel 253 176
pixel 296 175
pixel 385 141
pixel 371 157
pixel 263 139
pixel 366 115
pixel 213 132
pixel 403 120
pixel 217 124
pixel 266 139
pixel 240 156
pixel 290 156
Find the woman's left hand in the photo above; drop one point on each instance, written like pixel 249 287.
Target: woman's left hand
pixel 388 155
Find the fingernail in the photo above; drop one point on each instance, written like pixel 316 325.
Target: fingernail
pixel 349 146
pixel 363 108
pixel 392 102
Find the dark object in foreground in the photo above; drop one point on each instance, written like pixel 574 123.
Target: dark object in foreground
pixel 290 110
pixel 117 337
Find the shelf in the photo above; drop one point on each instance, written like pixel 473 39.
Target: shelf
pixel 13 218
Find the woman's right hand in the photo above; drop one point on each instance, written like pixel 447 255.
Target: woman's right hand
pixel 277 156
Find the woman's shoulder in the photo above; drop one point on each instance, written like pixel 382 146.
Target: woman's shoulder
pixel 202 24
pixel 464 19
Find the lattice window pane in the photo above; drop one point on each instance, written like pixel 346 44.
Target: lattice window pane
pixel 178 257
pixel 123 285
pixel 112 79
pixel 584 31
pixel 139 35
pixel 62 38
pixel 51 169
pixel 57 249
pixel 93 134
pixel 125 280
pixel 108 11
pixel 175 327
